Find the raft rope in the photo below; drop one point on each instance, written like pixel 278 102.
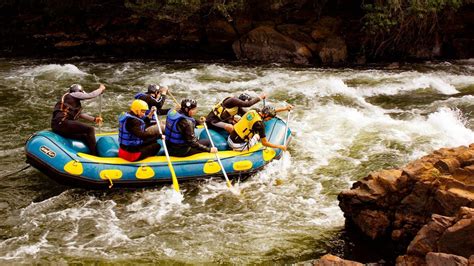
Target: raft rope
pixel 15 172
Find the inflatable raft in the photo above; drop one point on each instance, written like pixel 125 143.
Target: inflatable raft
pixel 68 162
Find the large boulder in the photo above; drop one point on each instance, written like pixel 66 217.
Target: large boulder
pixel 265 44
pixel 399 202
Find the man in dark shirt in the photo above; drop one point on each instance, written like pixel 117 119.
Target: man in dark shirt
pixel 180 138
pixel 68 109
pixel 222 114
pixel 251 128
pixel 135 142
pixel 155 96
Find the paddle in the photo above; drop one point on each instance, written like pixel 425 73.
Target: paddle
pixel 229 185
pixel 174 99
pixel 286 127
pixel 100 112
pixel 278 181
pixel 173 174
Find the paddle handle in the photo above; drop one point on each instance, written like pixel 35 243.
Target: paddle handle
pixel 217 157
pixel 170 165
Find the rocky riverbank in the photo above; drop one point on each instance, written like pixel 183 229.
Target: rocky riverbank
pixel 303 32
pixel 426 206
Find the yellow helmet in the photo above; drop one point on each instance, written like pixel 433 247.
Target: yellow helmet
pixel 137 106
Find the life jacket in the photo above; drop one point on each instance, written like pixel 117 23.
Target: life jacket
pixel 224 113
pixel 126 138
pixel 172 133
pixel 243 128
pixel 68 108
pixel 139 95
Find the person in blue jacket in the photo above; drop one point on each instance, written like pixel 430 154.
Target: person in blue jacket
pixel 135 142
pixel 180 138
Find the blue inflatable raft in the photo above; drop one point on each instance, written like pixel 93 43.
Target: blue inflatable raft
pixel 68 162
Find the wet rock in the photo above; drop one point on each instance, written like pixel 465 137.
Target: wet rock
pixel 265 44
pixel 331 260
pixel 67 44
pixel 333 51
pixel 443 259
pixel 434 193
pixel 408 260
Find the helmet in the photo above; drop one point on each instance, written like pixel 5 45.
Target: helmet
pixel 188 104
pixel 269 111
pixel 137 106
pixel 76 88
pixel 153 88
pixel 245 97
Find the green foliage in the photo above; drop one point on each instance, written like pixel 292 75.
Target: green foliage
pixel 181 9
pixel 400 24
pixel 168 9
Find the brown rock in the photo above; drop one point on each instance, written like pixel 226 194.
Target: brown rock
pixel 448 165
pixel 68 44
pixel 331 260
pixel 459 238
pixel 372 222
pixel 427 238
pixel 408 260
pixel 265 44
pixel 333 50
pixel 442 259
pixel 220 31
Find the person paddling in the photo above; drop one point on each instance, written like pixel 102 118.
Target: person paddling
pixel 180 137
pixel 222 114
pixel 68 109
pixel 155 96
pixel 135 142
pixel 251 128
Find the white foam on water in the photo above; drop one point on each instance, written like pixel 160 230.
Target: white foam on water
pixel 153 206
pixel 25 249
pixel 55 70
pixel 450 128
pixel 280 206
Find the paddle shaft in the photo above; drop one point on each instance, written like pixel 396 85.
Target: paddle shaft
pixel 100 112
pixel 170 165
pixel 174 99
pixel 217 157
pixel 286 128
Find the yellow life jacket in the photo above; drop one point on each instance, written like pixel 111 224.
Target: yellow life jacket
pixel 225 113
pixel 243 128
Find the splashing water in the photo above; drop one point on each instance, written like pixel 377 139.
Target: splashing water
pixel 346 123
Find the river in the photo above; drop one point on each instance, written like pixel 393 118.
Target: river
pixel 346 123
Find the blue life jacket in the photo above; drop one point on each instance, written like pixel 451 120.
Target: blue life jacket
pixel 126 138
pixel 172 133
